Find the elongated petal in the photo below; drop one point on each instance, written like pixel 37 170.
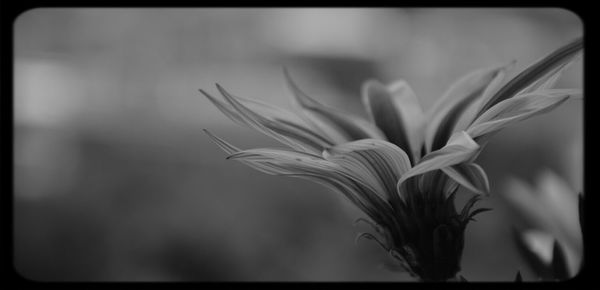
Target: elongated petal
pixel 396 111
pixel 336 125
pixel 517 109
pixel 241 114
pixel 295 159
pixel 468 116
pixel 260 108
pixel 283 162
pixel 257 121
pixel 548 80
pixel 225 108
pixel 436 184
pixel 277 124
pixel 471 176
pixel 224 145
pixel 352 193
pixel 546 65
pixel 300 134
pixel 293 163
pixel 230 149
pixel 460 148
pixel 379 162
pixel 281 124
pixel 448 110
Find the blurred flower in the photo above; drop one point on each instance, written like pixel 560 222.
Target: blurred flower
pixel 402 167
pixel 552 209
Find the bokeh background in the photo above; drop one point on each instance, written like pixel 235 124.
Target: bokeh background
pixel 115 180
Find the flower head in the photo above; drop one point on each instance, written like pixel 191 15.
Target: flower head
pixel 402 166
pixel 552 209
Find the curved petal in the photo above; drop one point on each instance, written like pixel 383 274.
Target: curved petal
pixel 230 149
pixel 355 194
pixel 224 145
pixel 548 80
pixel 536 71
pixel 396 111
pixel 277 123
pixel 300 134
pixel 285 161
pixel 315 168
pixel 517 109
pixel 448 110
pixel 460 148
pixel 469 114
pixel 378 162
pixel 469 175
pixel 336 125
pixel 299 164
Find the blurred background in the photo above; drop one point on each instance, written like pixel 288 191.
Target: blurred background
pixel 115 180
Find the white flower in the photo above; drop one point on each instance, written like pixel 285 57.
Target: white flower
pixel 552 208
pixel 402 166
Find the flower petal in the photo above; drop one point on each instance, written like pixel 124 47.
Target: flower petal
pixel 436 185
pixel 517 109
pixel 286 161
pixel 470 113
pixel 448 110
pixel 300 134
pixel 469 175
pixel 230 149
pixel 224 145
pixel 277 124
pixel 347 189
pixel 336 125
pixel 313 167
pixel 378 162
pixel 546 65
pixel 550 78
pixel 460 148
pixel 225 108
pixel 396 111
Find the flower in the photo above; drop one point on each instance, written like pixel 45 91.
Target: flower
pixel 402 167
pixel 552 210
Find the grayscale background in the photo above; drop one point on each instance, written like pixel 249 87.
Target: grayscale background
pixel 115 180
